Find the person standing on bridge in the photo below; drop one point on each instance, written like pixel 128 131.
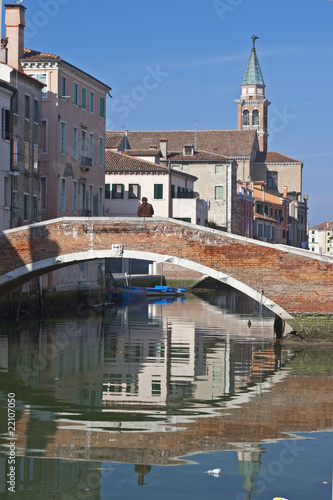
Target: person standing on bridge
pixel 145 209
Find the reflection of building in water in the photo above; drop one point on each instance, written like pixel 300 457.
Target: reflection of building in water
pixel 140 368
pixel 249 466
pixel 56 479
pixel 67 359
pixel 178 360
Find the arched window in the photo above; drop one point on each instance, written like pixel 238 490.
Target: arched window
pixel 255 118
pixel 246 118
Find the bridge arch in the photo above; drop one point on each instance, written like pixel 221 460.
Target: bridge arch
pixel 287 280
pixel 25 273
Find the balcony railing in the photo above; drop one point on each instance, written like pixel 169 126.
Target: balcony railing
pixel 186 194
pixel 86 162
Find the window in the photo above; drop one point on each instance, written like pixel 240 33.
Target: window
pixel 63 138
pixel 34 208
pixel 219 169
pixel 27 107
pixel 101 107
pixel 255 118
pixel 259 208
pixel 83 198
pixel 101 152
pixel 42 78
pixel 91 147
pixel 186 167
pixel 14 203
pixel 36 157
pixel 134 191
pixel 83 144
pixel 25 206
pixel 266 209
pixel 63 87
pixel 62 194
pixel 6 191
pixel 44 136
pixel 176 167
pixel 158 191
pixel 246 118
pixel 15 151
pixel 26 155
pixel 218 192
pixel 91 102
pixel 7 124
pixel 117 191
pixel 272 180
pixel 43 192
pixel 156 386
pixel 107 192
pixel 15 103
pixel 90 199
pixel 36 111
pixel 75 193
pixel 100 202
pixel 75 94
pixel 84 98
pixel 75 142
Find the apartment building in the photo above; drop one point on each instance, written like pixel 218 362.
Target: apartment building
pixel 321 238
pixel 73 126
pixel 21 146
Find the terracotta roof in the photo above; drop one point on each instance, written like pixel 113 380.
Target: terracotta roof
pixel 143 152
pixel 324 226
pixel 264 217
pixel 197 156
pixel 228 143
pixel 25 75
pixel 35 55
pixel 116 161
pixel 273 157
pixel 114 140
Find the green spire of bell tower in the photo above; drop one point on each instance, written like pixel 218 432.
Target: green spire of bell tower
pixel 253 75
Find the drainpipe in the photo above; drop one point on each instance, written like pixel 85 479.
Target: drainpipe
pixel 169 193
pixel 11 152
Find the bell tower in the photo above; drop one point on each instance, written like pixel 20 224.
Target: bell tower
pixel 252 106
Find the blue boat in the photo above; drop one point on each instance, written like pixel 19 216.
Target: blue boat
pixel 119 293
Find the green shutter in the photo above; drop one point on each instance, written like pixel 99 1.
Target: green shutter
pixel 107 191
pixel 158 191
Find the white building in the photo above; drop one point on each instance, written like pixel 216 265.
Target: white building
pixel 321 238
pixel 129 178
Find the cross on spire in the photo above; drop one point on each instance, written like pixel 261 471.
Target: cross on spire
pixel 254 38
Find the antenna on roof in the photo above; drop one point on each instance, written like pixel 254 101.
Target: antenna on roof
pixel 195 134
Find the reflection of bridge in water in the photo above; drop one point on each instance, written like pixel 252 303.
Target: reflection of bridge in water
pixel 142 396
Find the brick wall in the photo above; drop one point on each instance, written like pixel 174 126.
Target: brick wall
pixel 295 279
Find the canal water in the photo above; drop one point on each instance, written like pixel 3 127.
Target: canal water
pixel 187 399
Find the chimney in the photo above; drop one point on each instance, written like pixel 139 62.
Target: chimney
pixel 164 148
pixel 285 192
pixel 15 24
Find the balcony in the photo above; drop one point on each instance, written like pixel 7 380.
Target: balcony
pixel 185 194
pixel 86 163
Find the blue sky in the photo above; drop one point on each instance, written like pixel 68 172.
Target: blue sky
pixel 179 64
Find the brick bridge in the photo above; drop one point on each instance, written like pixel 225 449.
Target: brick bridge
pixel 286 280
